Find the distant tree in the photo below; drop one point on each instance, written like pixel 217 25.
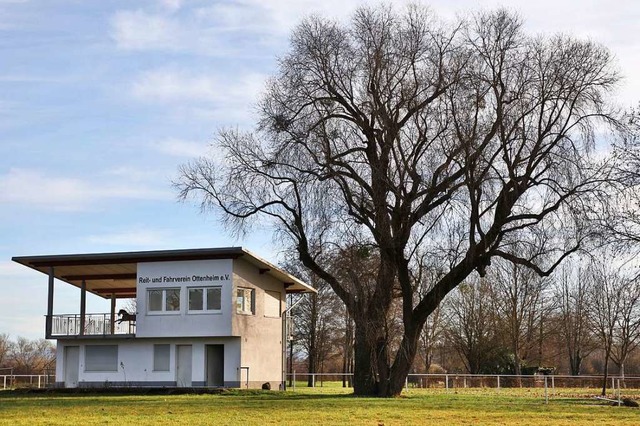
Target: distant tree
pixel 471 326
pixel 605 290
pixel 518 295
pixel 6 346
pixel 32 356
pixel 316 321
pixel 571 293
pixel 431 336
pixel 428 144
pixel 626 337
pixel 347 360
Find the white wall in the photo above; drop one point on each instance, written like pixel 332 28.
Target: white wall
pixel 261 336
pixel 253 341
pixel 182 323
pixel 135 362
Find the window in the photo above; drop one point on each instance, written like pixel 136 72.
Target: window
pixel 161 357
pixel 163 300
pixel 272 307
pixel 101 358
pixel 205 299
pixel 244 301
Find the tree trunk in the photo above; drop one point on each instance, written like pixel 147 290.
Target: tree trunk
pixel 606 374
pixel 575 362
pixel 402 364
pixel 365 378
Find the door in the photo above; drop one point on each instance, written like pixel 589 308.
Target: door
pixel 183 367
pixel 215 365
pixel 71 366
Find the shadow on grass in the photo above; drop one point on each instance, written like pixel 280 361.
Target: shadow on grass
pixel 124 391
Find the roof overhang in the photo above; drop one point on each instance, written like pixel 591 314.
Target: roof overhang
pixel 115 274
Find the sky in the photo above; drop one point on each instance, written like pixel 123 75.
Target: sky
pixel 102 101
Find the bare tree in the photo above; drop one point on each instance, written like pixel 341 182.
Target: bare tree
pixel 6 346
pixel 471 327
pixel 605 287
pixel 317 324
pixel 626 337
pixel 431 336
pixel 347 352
pixel 32 356
pixel 422 143
pixel 517 297
pixel 571 292
pixel 623 218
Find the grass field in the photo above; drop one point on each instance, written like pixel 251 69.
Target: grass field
pixel 328 405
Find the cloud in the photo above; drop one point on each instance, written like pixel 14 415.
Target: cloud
pixel 199 95
pixel 171 86
pixel 171 5
pixel 181 148
pixel 175 85
pixel 29 187
pixel 138 29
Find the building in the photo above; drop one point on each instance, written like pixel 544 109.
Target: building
pixel 205 318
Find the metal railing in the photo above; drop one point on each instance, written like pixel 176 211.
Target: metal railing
pixel 12 381
pixel 94 325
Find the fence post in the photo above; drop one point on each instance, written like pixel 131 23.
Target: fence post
pixel 613 384
pixel 464 380
pixel 553 384
pixel 313 380
pixel 446 381
pixel 5 382
pixel 294 380
pixel 498 381
pixel 39 377
pixel 619 401
pixel 546 392
pixel 406 383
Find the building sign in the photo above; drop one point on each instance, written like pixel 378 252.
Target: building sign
pixel 197 272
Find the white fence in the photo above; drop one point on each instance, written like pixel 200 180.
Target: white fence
pixel 11 381
pixel 497 381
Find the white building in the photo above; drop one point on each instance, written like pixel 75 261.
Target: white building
pixel 205 318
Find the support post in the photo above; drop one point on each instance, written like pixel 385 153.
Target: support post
pixel 49 320
pixel 446 381
pixel 284 348
pixel 83 306
pixel 546 391
pixel 613 384
pixel 113 313
pixel 498 381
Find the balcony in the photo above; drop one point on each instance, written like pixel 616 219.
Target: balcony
pixel 94 325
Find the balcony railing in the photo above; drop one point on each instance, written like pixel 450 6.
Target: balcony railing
pixel 94 325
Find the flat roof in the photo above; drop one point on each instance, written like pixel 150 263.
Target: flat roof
pixel 116 273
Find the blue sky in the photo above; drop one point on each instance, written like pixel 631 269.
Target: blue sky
pixel 101 101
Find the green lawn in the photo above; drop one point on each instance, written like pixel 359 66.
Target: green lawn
pixel 329 405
